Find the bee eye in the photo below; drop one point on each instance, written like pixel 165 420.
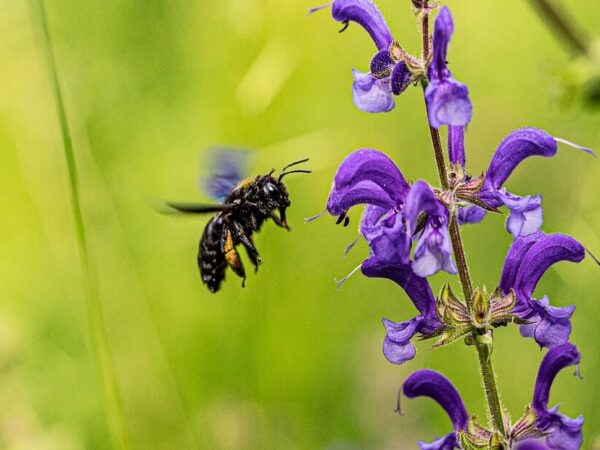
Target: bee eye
pixel 269 188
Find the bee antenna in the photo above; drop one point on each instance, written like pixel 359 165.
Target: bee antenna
pixel 294 163
pixel 283 174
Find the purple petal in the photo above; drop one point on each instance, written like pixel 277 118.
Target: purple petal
pixel 552 334
pixel 442 32
pixel 555 360
pixel 397 347
pixel 366 176
pixel 434 250
pixel 447 442
pixel 434 385
pixel 400 332
pixel 563 433
pixel 447 100
pixel 386 234
pixel 456 145
pixel 366 14
pixel 526 214
pixel 471 214
pixel 448 103
pixel 548 250
pixel 515 147
pixel 566 432
pixel 514 258
pixel 370 94
pixel 417 288
pixel 400 78
pixel 381 63
pixel 398 353
pixel 550 326
pixel 422 199
pixel 531 445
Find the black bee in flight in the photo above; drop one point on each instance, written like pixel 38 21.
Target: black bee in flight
pixel 246 204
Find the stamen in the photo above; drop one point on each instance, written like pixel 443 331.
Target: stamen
pixel 398 409
pixel 343 280
pixel 578 147
pixel 592 256
pixel 315 217
pixel 577 372
pixel 345 27
pixel 352 244
pixel 346 221
pixel 314 9
pixel 341 217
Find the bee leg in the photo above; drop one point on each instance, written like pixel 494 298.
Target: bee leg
pixel 253 255
pixel 248 245
pixel 278 221
pixel 232 257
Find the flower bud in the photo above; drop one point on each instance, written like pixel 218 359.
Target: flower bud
pixel 481 308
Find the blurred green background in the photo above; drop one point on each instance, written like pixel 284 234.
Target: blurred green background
pixel 287 362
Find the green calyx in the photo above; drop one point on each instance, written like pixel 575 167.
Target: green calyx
pixel 526 426
pixel 475 323
pixel 476 437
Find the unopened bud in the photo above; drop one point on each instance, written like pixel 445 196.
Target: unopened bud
pixel 481 308
pixel 486 343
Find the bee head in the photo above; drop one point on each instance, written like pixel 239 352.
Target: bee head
pixel 273 193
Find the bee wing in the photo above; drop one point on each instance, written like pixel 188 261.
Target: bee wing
pixel 227 167
pixel 191 208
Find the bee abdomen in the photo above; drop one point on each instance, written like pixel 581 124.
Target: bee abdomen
pixel 211 260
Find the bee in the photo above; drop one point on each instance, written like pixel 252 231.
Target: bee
pixel 245 205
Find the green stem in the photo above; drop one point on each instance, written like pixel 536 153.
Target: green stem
pixel 485 362
pixel 562 25
pixel 94 312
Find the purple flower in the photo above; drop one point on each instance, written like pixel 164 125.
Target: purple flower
pixel 437 387
pixel 526 262
pixel 563 433
pixel 525 212
pixel 397 345
pixel 371 94
pixel 434 249
pixel 392 69
pixel 392 218
pixel 447 100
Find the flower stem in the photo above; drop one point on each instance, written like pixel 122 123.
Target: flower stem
pixel 94 312
pixel 561 25
pixel 485 362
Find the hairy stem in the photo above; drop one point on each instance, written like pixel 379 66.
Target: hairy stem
pixel 487 370
pixel 461 261
pixel 438 152
pixel 94 312
pixel 561 25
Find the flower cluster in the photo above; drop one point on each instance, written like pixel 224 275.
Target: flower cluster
pixel 538 421
pixel 413 232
